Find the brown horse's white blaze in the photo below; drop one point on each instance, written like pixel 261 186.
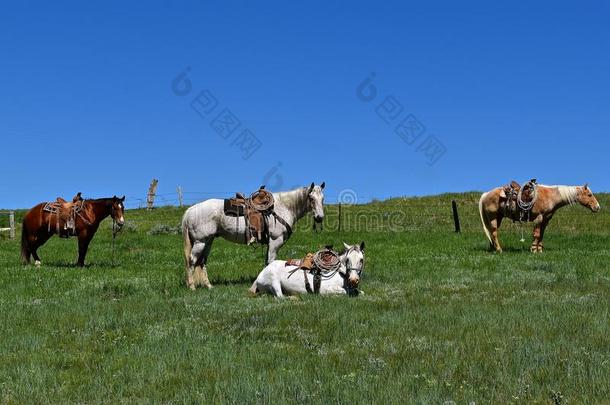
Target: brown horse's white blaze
pixel 549 199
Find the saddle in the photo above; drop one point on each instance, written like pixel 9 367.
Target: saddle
pixel 255 210
pixel 65 213
pixel 517 201
pixel 323 261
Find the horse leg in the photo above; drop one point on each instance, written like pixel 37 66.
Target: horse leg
pixel 274 246
pixel 495 224
pixel 537 234
pixel 542 228
pixel 201 270
pixel 197 273
pixel 194 265
pixel 35 243
pixel 276 288
pixel 83 246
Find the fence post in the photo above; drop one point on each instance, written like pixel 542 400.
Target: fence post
pixel 456 218
pixel 11 219
pixel 180 196
pixel 339 217
pixel 152 190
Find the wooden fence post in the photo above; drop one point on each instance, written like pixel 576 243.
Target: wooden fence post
pixel 11 219
pixel 180 196
pixel 456 218
pixel 152 190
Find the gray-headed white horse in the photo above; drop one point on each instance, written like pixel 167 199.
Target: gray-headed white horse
pixel 280 279
pixel 205 221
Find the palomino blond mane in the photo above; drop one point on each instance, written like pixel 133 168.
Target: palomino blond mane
pixel 568 194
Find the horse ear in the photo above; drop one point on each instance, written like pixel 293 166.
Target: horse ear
pixel 114 197
pixel 262 187
pixel 362 246
pixel 502 193
pixel 323 185
pixel 346 246
pixel 586 187
pixel 122 198
pixel 311 187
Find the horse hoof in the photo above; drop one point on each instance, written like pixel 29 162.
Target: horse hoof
pixel 192 287
pixel 37 263
pixel 209 286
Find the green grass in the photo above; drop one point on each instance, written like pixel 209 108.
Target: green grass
pixel 441 319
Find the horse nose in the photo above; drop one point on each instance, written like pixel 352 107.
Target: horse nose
pixel 354 281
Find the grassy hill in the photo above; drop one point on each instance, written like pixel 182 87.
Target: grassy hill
pixel 441 318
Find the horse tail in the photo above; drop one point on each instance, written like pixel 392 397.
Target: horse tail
pixel 25 244
pixel 188 245
pixel 484 219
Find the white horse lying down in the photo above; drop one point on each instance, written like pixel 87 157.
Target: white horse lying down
pixel 280 279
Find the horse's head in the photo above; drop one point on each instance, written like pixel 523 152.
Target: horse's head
pixel 586 198
pixel 315 200
pixel 353 259
pixel 118 210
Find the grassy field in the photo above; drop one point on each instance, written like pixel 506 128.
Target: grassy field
pixel 442 319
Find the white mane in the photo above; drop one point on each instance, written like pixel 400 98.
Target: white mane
pixel 294 199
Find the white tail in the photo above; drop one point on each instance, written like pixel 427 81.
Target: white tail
pixel 483 218
pixel 188 246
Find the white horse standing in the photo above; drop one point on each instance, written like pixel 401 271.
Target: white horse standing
pixel 279 279
pixel 205 221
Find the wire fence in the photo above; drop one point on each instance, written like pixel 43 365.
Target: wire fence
pixel 424 214
pixel 407 215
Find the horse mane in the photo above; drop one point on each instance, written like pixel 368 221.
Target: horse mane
pixel 106 200
pixel 295 200
pixel 568 194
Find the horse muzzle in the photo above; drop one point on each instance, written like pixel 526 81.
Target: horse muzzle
pixel 596 208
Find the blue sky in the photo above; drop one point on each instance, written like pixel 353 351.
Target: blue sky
pixel 490 91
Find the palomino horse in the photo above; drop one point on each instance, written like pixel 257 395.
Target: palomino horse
pixel 205 221
pixel 39 225
pixel 548 200
pixel 280 278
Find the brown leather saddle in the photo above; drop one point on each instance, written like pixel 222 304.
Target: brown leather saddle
pixel 66 213
pixel 517 201
pixel 255 210
pixel 323 261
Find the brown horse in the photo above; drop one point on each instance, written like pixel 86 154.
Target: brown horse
pixel 39 225
pixel 548 200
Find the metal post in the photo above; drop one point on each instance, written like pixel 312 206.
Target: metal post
pixel 456 218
